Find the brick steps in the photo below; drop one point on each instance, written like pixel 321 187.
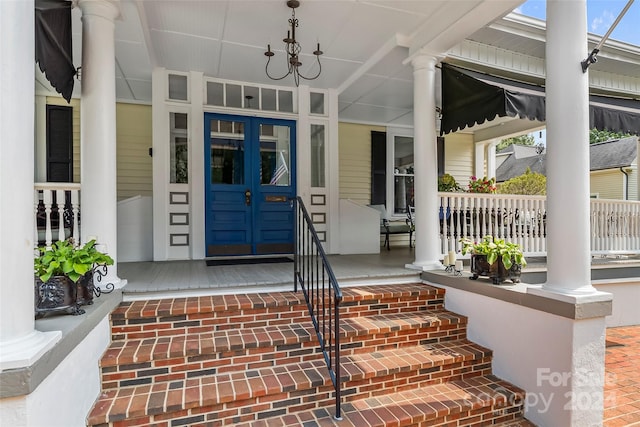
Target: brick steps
pixel 479 401
pixel 254 358
pixel 145 361
pixel 297 384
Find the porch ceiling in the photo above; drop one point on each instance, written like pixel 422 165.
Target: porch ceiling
pixel 364 41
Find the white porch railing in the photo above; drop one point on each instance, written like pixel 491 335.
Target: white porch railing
pixel 615 224
pixel 57 210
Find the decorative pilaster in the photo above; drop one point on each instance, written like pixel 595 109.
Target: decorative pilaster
pixel 426 168
pixel 98 128
pixel 20 343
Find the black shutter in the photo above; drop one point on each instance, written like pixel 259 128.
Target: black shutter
pixel 378 168
pixel 440 154
pixel 59 143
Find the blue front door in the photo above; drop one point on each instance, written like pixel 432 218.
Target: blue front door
pixel 249 180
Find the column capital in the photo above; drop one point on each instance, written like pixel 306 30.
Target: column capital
pixel 108 9
pixel 424 59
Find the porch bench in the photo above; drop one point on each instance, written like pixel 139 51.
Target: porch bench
pixel 388 227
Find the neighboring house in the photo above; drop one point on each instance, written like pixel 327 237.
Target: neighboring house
pixel 613 165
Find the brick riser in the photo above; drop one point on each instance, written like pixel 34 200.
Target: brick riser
pixel 198 367
pixel 273 392
pixel 157 318
pixel 166 359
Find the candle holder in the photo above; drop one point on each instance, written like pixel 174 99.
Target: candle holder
pixel 457 268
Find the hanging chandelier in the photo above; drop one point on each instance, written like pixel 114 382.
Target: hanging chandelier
pixel 292 47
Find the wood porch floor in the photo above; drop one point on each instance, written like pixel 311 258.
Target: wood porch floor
pixel 158 279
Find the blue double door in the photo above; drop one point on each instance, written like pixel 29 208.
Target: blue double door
pixel 250 175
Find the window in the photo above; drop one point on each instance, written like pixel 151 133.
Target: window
pixel 316 103
pixel 236 95
pixel 317 155
pixel 178 149
pixel 402 173
pixel 178 87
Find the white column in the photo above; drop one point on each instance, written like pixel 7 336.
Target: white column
pixel 479 160
pixel 567 92
pixel 568 227
pixel 491 159
pixel 20 343
pixel 426 163
pixel 98 129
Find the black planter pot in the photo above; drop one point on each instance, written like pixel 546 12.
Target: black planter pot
pixel 85 289
pixel 58 294
pixel 496 271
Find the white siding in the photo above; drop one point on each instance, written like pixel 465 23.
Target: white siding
pixel 355 161
pixel 458 156
pixel 607 184
pixel 133 143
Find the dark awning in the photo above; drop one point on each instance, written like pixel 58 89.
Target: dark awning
pixel 470 98
pixel 53 44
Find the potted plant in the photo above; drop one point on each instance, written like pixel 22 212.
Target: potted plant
pixel 448 183
pixel 64 276
pixel 496 258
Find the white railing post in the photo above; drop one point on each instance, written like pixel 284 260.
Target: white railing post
pixel 75 210
pixel 46 199
pixel 36 205
pixel 60 202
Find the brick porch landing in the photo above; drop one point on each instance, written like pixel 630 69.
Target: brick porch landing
pixel 622 390
pixel 252 360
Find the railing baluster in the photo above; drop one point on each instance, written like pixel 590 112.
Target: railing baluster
pixel 36 205
pixel 75 210
pixel 60 202
pixel 46 198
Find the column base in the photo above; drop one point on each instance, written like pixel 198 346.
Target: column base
pixel 558 293
pixel 425 265
pixel 25 351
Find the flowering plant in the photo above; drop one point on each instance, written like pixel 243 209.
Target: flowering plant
pixel 483 185
pixel 510 253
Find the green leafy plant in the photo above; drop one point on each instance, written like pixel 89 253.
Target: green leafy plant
pixel 482 185
pixel 448 183
pixel 63 259
pixel 493 248
pixel 529 183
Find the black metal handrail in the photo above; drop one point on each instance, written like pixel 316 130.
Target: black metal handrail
pixel 321 292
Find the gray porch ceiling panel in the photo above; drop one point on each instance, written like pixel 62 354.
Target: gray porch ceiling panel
pixel 470 98
pixel 365 44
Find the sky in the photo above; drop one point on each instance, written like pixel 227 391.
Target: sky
pixel 600 17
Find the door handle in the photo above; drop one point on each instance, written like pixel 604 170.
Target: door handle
pixel 247 198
